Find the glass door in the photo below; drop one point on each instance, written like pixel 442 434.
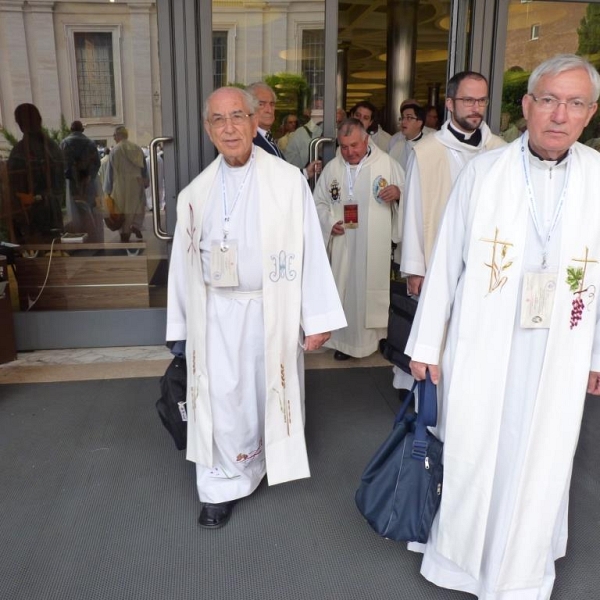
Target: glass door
pixel 80 102
pixel 533 31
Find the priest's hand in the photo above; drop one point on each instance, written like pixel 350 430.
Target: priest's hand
pixel 314 342
pixel 594 383
pixel 418 370
pixel 314 168
pixel 414 283
pixel 389 194
pixel 338 228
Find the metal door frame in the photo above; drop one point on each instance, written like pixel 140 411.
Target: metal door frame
pixel 185 42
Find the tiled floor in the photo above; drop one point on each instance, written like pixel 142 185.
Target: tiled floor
pixel 121 363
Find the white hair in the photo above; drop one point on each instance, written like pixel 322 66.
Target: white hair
pixel 248 99
pixel 559 64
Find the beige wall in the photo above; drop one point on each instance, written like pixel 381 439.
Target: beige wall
pixel 37 63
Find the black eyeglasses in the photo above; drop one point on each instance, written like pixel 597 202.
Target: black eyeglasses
pixel 408 118
pixel 470 102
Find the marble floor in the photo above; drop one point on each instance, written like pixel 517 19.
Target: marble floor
pixel 82 364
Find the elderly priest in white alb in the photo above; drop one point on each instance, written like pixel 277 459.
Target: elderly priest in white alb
pixel 515 274
pixel 249 278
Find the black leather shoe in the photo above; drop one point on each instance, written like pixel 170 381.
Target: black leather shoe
pixel 337 355
pixel 213 516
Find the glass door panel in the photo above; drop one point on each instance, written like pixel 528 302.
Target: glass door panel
pixel 77 223
pixel 283 46
pixel 392 52
pixel 78 248
pixel 535 32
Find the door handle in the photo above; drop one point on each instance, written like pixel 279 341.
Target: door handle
pixel 313 154
pixel 159 232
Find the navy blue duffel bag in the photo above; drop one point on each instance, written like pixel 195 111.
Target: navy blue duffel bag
pixel 401 487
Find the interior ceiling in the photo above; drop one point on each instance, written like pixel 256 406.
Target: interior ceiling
pixel 363 29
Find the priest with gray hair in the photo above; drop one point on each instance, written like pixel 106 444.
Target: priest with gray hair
pixel 250 289
pixel 508 326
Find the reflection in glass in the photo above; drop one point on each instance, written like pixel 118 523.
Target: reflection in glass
pixel 537 31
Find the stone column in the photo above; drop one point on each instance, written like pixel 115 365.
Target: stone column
pixel 15 78
pixel 139 116
pixel 45 87
pixel 401 56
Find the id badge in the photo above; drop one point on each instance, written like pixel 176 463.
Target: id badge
pixel 350 216
pixel 224 264
pixel 537 299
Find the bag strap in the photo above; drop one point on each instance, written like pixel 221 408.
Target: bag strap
pixel 426 416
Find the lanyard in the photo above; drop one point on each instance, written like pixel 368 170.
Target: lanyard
pixel 228 212
pixel 544 239
pixel 349 174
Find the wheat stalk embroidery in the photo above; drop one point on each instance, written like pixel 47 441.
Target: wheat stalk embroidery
pixel 497 266
pixel 284 403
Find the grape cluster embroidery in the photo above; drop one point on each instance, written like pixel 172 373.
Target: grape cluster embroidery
pixel 582 296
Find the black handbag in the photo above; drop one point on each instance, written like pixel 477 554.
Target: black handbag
pixel 171 404
pixel 400 319
pixel 401 487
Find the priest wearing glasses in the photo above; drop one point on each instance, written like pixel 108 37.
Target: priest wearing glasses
pixel 436 163
pixel 250 289
pixel 508 326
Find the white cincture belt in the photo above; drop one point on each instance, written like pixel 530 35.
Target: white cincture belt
pixel 229 293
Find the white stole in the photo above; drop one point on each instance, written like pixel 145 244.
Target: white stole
pixel 480 370
pixel 281 208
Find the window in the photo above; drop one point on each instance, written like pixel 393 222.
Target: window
pixel 94 63
pixel 313 61
pixel 535 32
pixel 94 53
pixel 219 58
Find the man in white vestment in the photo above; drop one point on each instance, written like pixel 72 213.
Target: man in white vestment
pixel 289 124
pixel 514 278
pixel 399 136
pixel 250 288
pixel 437 160
pixel 125 180
pixel 297 150
pixel 357 199
pixel 412 120
pixel 368 115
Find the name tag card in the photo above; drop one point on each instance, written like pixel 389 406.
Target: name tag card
pixel 223 264
pixel 537 300
pixel 350 216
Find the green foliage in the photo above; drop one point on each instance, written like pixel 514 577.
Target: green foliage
pixel 55 134
pixel 58 135
pixel 8 136
pixel 292 91
pixel 513 89
pixel 589 31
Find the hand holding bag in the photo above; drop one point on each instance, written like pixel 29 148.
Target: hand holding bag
pixel 401 487
pixel 171 404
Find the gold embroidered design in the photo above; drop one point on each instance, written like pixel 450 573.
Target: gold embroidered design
pixel 284 403
pixel 582 296
pixel 194 390
pixel 498 266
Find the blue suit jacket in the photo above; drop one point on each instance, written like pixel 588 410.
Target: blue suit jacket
pixel 261 142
